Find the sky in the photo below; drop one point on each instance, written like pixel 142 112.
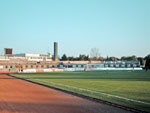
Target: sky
pixel 116 27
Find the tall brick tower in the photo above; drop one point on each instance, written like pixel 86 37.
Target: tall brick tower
pixel 55 51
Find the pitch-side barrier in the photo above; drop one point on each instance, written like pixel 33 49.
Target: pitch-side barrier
pixel 73 69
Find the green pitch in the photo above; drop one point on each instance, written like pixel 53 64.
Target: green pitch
pixel 127 88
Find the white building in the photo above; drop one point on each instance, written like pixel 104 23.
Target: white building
pixel 3 58
pixel 35 57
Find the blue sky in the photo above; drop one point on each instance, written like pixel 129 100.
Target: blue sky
pixel 117 27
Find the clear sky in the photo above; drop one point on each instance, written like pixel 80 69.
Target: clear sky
pixel 116 27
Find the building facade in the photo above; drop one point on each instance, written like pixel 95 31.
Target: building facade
pixel 35 57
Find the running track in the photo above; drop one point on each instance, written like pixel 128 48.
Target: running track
pixel 19 96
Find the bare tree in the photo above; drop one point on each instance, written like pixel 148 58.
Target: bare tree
pixel 94 54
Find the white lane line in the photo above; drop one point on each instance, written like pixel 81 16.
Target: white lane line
pixel 105 94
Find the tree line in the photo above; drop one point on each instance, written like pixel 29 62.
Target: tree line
pixel 145 61
pixel 71 58
pixel 96 56
pixel 83 57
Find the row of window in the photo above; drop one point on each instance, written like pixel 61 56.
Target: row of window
pixel 38 58
pixel 75 66
pixel 71 66
pixel 122 65
pixel 99 66
pixel 30 66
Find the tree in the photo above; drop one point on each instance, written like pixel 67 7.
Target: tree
pixel 83 58
pixel 95 54
pixel 71 58
pixel 129 58
pixel 101 58
pixel 141 60
pixel 64 57
pixel 86 58
pixel 123 58
pixel 147 65
pixel 133 57
pixel 112 58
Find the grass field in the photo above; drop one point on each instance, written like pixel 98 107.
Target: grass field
pixel 127 88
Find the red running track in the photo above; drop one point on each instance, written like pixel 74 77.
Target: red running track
pixel 19 96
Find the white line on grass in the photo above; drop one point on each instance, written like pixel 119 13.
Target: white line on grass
pixel 105 94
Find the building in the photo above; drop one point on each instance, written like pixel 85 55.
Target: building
pixel 34 57
pixel 102 64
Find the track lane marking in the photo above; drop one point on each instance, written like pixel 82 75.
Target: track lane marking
pixel 105 94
